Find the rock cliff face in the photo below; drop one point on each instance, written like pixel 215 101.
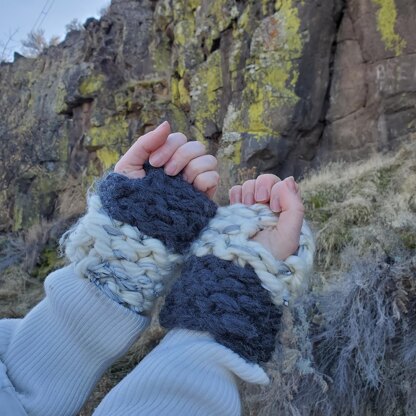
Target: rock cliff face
pixel 279 86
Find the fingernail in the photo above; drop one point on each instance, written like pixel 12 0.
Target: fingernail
pixel 262 194
pixel 291 183
pixel 171 169
pixel 248 199
pixel 275 205
pixel 160 126
pixel 155 160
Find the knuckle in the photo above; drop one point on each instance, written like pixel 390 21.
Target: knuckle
pixel 236 188
pixel 201 144
pixel 206 180
pixel 177 137
pixel 212 160
pixel 249 183
pixel 190 149
pixel 192 169
pixel 278 185
pixel 199 182
pixel 268 177
pixel 199 147
pixel 180 136
pixel 201 164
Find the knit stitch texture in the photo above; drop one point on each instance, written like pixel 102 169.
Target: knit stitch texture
pixel 229 302
pixel 128 266
pixel 160 206
pixel 233 287
pixel 229 236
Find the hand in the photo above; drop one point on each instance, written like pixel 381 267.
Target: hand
pixel 173 151
pixel 283 197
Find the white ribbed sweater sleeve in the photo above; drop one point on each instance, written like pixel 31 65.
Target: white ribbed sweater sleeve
pixel 55 355
pixel 187 374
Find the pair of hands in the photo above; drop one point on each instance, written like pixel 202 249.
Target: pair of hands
pixel 173 151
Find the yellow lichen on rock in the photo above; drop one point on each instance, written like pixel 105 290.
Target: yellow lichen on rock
pixel 386 23
pixel 206 88
pixel 184 30
pixel 112 132
pixel 108 157
pixel 180 94
pixel 237 153
pixel 271 72
pixel 91 85
pixel 17 217
pixel 107 141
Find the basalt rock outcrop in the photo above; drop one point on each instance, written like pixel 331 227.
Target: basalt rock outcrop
pixel 278 86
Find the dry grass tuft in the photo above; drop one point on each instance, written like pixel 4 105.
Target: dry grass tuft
pixel 361 343
pixel 349 348
pixel 19 292
pixel 368 205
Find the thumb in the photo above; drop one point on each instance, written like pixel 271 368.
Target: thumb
pixel 134 159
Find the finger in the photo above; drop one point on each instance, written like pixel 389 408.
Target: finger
pixel 199 165
pixel 235 194
pixel 183 155
pixel 211 192
pixel 297 189
pixel 289 226
pixel 138 154
pixel 293 186
pixel 248 192
pixel 164 153
pixel 290 181
pixel 274 197
pixel 263 187
pixel 285 197
pixel 207 181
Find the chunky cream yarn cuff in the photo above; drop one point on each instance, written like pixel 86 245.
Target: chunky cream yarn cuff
pixel 228 237
pixel 130 267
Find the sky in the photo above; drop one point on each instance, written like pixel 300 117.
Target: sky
pixel 51 15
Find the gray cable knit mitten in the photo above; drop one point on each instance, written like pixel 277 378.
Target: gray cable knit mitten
pixel 233 288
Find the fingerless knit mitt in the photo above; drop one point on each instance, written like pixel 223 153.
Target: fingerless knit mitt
pixel 233 287
pixel 137 231
pixel 134 235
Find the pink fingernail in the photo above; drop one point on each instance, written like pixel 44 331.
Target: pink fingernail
pixel 249 199
pixel 155 160
pixel 262 194
pixel 160 126
pixel 171 169
pixel 291 183
pixel 275 205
